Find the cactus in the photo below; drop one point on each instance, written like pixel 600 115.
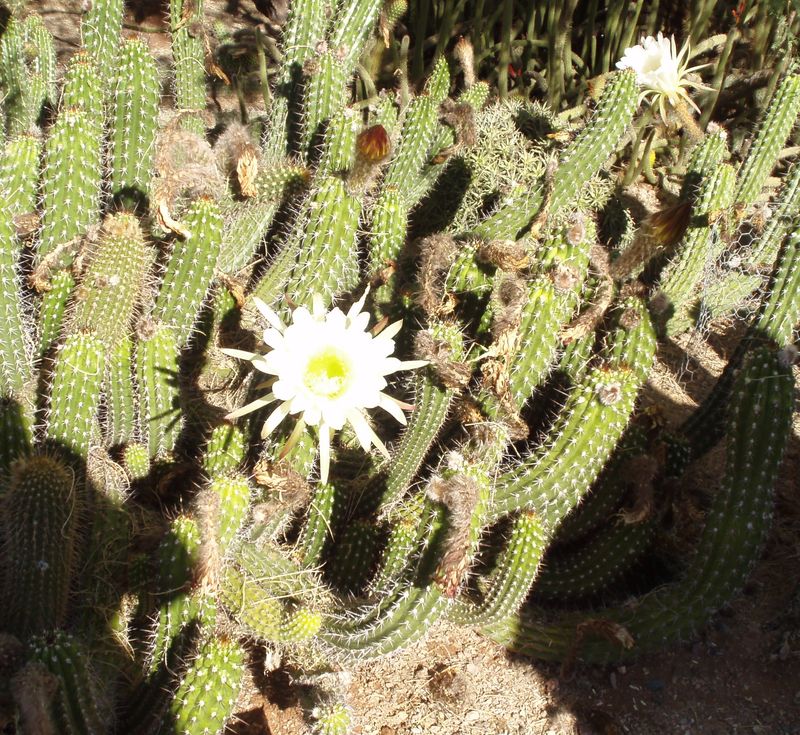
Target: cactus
pixel 40 523
pixel 133 242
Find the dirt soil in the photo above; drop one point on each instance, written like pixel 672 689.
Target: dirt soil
pixel 740 676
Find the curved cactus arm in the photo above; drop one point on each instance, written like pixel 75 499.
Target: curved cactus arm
pixel 517 569
pixel 736 526
pixel 557 475
pixel 601 560
pixel 778 122
pixel 408 620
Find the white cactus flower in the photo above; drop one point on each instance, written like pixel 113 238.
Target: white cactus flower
pixel 661 71
pixel 329 369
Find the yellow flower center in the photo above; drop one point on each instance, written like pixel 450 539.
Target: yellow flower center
pixel 327 373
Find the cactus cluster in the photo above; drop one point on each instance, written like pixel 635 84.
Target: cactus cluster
pixel 153 540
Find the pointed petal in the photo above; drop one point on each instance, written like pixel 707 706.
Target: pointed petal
pixel 406 365
pixel 358 307
pixel 391 331
pixel 324 451
pixel 272 317
pixel 278 415
pixel 252 406
pixel 364 433
pixel 240 354
pixel 394 407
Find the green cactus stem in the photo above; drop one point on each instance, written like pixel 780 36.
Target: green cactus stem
pixel 225 450
pixel 100 30
pixel 19 174
pixel 75 392
pixel 158 373
pixel 79 707
pixel 16 369
pixel 190 270
pixel 698 251
pixel 134 115
pixel 736 526
pixel 186 19
pixel 558 474
pixel 120 416
pixel 205 699
pixel 40 523
pixel 516 571
pixel 772 133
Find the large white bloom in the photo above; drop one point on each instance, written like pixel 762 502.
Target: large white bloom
pixel 328 368
pixel 661 71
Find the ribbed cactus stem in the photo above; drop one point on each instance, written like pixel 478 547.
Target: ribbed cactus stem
pixel 16 369
pixel 75 392
pixel 158 373
pixel 558 474
pixel 134 115
pixel 19 174
pixel 351 27
pixel 325 94
pixel 190 270
pixel 516 571
pixel 225 450
pixel 736 526
pixel 40 525
pixel 772 133
pixel 100 30
pixel 186 19
pixel 209 689
pixel 120 420
pixel 329 263
pixel 767 246
pixel 78 705
pixel 112 284
pixel 697 252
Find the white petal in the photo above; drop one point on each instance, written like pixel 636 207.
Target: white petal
pixel 317 306
pixel 364 433
pixel 272 318
pixel 391 331
pixel 240 354
pixel 393 407
pixel 252 406
pixel 354 310
pixel 278 415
